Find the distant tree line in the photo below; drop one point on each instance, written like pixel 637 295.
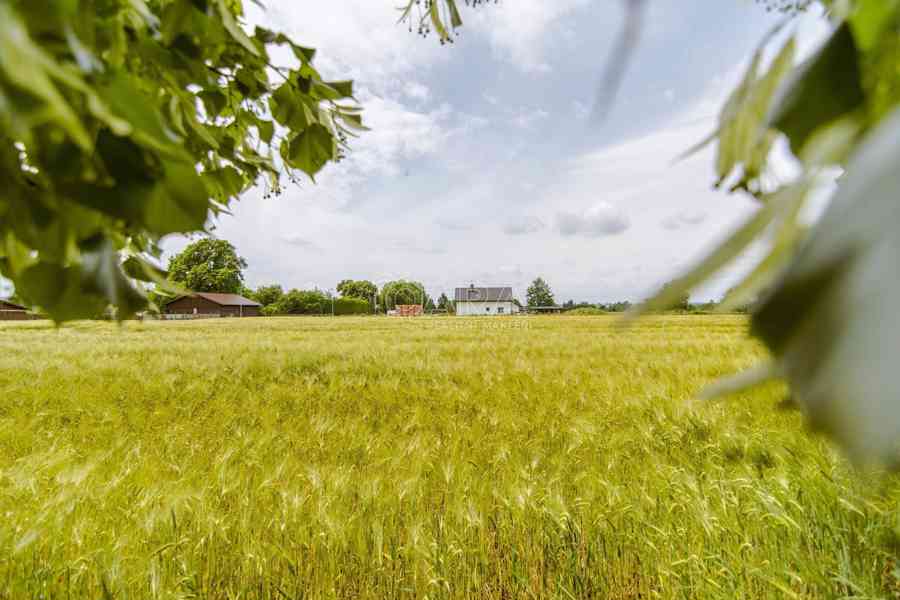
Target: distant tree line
pixel 211 265
pixel 354 297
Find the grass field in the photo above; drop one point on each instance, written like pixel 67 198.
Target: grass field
pixel 546 457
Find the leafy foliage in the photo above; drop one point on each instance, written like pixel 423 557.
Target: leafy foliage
pixel 352 306
pixel 828 293
pixel 301 302
pixel 621 306
pixel 208 265
pixel 125 120
pixel 539 293
pixel 364 289
pixel 682 300
pixel 401 292
pixel 268 294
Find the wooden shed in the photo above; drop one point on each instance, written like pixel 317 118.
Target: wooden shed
pixel 14 312
pixel 206 303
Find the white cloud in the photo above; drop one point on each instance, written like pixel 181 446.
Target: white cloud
pixel 600 220
pixel 299 242
pixel 526 118
pixel 519 32
pixel 522 225
pixel 358 39
pixel 581 110
pixel 397 133
pixel 683 219
pixel 416 90
pixel 452 223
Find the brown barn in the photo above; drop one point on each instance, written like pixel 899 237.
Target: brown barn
pixel 205 303
pixel 14 312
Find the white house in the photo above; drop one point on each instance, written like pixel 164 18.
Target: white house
pixel 484 301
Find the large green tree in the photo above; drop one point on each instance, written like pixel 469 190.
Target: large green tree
pixel 125 120
pixel 268 294
pixel 539 293
pixel 208 265
pixel 363 289
pixel 401 292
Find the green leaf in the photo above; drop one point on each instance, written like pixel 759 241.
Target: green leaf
pixel 343 88
pixel 266 36
pixel 102 275
pixel 125 98
pixel 234 29
pixel 744 137
pixel 57 290
pixel 27 66
pixel 176 20
pixel 289 109
pixel 354 121
pixel 227 180
pixel 214 101
pixel 788 232
pixel 827 87
pixel 870 18
pixel 832 321
pixel 304 55
pixel 266 130
pixel 141 269
pixel 455 18
pixel 310 150
pixel 179 203
pixel 729 250
pixel 437 22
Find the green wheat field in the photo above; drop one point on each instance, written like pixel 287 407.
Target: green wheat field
pixel 532 457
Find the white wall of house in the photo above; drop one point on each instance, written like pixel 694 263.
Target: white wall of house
pixel 466 309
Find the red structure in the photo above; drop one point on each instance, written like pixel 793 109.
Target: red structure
pixel 410 310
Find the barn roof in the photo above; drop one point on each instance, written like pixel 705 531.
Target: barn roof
pixel 7 305
pixel 222 299
pixel 483 294
pixel 228 299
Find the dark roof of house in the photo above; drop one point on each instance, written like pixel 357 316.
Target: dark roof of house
pixel 7 305
pixel 483 294
pixel 223 299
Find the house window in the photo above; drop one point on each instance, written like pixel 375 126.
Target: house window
pixel 500 310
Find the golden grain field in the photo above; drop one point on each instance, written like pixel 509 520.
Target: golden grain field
pixel 532 457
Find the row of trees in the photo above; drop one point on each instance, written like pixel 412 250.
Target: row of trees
pixel 211 265
pixel 355 297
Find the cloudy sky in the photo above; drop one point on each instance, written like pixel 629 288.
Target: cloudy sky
pixel 480 165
